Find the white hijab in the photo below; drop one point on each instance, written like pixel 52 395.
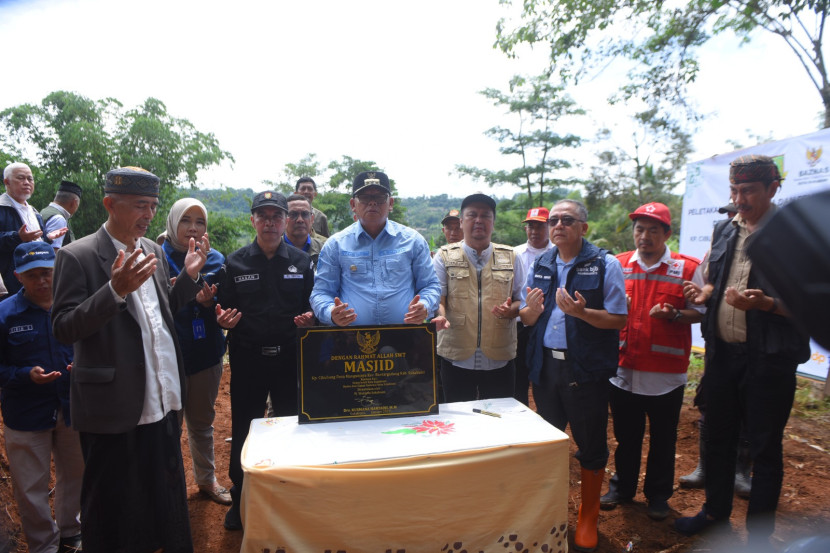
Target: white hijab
pixel 175 216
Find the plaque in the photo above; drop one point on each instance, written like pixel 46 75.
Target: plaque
pixel 366 372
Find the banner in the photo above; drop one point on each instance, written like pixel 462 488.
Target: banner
pixel 806 170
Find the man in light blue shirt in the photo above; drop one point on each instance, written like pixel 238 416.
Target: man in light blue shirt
pixel 375 271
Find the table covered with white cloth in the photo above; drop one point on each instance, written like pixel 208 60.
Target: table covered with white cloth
pixel 455 481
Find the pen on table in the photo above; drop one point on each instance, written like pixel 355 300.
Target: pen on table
pixel 483 412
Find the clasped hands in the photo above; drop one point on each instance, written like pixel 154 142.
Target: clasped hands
pixel 343 315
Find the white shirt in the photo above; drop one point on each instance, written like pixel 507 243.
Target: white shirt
pixel 162 387
pixel 649 383
pixel 527 254
pixel 27 215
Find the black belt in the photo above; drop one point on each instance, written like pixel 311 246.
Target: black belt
pixel 561 354
pixel 267 351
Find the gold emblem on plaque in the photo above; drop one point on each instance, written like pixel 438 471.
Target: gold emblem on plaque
pixel 368 342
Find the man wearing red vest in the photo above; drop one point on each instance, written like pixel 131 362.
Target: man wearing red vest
pixel 654 355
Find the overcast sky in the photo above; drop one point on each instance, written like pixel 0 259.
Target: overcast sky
pixel 388 81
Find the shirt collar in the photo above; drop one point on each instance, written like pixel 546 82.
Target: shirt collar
pixel 390 228
pixel 306 244
pixel 665 258
pixel 119 245
pixel 61 210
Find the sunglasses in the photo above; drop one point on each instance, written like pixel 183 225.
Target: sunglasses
pixel 566 221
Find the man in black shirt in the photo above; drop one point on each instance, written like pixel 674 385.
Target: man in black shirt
pixel 269 282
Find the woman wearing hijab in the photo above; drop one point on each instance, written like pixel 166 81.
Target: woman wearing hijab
pixel 202 343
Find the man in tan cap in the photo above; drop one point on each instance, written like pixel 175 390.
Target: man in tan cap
pixel 114 302
pixel 451 227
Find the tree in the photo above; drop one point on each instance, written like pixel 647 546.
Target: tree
pixel 68 136
pixel 306 167
pixel 662 39
pixel 624 180
pixel 336 200
pixel 538 106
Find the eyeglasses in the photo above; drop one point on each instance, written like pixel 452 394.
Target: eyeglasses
pixel 298 214
pixel 567 221
pixel 372 198
pixel 275 218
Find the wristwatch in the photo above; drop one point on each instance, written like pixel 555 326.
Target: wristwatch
pixel 677 315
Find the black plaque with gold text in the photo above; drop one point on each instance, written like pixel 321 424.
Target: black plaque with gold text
pixel 366 372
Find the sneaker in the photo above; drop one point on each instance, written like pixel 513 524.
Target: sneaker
pixel 658 509
pixel 232 519
pixel 689 526
pixel 71 544
pixel 612 499
pixel 217 493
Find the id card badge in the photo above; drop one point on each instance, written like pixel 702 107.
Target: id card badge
pixel 199 329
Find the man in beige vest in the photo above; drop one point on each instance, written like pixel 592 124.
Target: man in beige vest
pixel 480 291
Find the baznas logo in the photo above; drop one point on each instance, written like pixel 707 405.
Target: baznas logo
pixel 814 156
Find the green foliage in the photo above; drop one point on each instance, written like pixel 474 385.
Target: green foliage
pixel 539 107
pixel 68 136
pixel 622 181
pixel 662 39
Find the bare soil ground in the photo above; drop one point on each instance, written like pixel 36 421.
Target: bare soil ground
pixel 804 508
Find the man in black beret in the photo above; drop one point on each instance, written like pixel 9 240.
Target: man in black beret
pixel 115 304
pixel 752 351
pixel 56 215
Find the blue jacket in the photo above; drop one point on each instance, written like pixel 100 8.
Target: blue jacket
pixel 26 341
pixel 593 351
pixel 202 347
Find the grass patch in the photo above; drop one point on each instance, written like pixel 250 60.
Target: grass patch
pixel 809 394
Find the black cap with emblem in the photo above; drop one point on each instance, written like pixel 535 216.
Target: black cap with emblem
pixel 368 179
pixel 132 180
pixel 269 198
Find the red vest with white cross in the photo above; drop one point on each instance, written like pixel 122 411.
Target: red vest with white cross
pixel 646 343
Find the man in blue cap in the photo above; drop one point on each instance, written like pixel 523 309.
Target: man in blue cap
pixel 34 377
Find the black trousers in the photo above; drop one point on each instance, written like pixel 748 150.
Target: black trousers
pixel 629 412
pixel 253 377
pixel 134 495
pixel 522 370
pixel 743 385
pixel 469 385
pixel 561 401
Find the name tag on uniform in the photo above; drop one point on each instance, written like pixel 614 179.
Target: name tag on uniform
pixel 292 276
pixel 245 278
pixel 21 328
pixel 543 277
pixel 199 329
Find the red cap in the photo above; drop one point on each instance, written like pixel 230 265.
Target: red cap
pixel 539 214
pixel 654 210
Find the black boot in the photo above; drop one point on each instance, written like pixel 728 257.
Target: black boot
pixel 696 478
pixel 743 470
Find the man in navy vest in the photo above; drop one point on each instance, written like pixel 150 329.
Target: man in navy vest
pixel 575 302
